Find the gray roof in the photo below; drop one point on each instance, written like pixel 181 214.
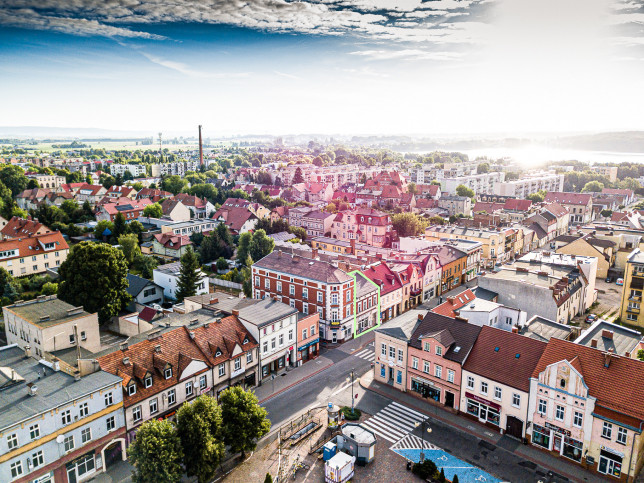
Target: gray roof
pixel 365 286
pixel 485 294
pixel 620 339
pixel 403 326
pixel 52 307
pixel 302 267
pixel 136 284
pixel 54 389
pixel 320 215
pixel 265 311
pixel 543 329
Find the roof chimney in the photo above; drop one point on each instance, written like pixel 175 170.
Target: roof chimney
pixel 607 334
pixel 420 317
pixel 32 389
pixel 593 343
pixel 27 350
pixel 235 312
pixel 214 301
pixel 607 357
pixel 515 330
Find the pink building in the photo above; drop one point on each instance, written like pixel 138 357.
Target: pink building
pixel 366 225
pixel 308 337
pixel 437 351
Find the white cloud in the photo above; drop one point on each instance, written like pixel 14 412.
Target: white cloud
pixel 187 70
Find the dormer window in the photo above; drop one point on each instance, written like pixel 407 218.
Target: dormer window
pixel 131 389
pixel 167 373
pixel 147 381
pixel 218 354
pixel 246 341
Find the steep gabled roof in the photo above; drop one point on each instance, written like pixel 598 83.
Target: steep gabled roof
pixel 463 334
pixel 568 198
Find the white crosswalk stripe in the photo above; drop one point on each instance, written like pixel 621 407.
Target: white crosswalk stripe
pixel 394 422
pixel 412 441
pixel 366 354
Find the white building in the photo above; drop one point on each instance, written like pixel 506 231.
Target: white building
pixel 135 170
pixel 484 183
pixel 167 276
pixel 531 183
pixel 487 313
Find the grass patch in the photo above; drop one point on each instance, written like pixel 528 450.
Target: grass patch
pixel 351 416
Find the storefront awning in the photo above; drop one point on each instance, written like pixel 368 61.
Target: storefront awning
pixel 304 346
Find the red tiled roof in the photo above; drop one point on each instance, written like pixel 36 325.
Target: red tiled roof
pixel 487 207
pixel 344 196
pixel 517 205
pixel 556 209
pixel 170 240
pixel 503 365
pixel 382 275
pixel 233 218
pixel 431 189
pixel 390 191
pixel 424 203
pixel 224 335
pixel 568 198
pixel 604 383
pixel 147 314
pixel 190 200
pixel 152 193
pixel 34 245
pixel 617 191
pixel 454 303
pixel 19 227
pixel 125 205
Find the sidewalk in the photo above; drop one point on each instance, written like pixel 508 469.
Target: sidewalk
pixel 272 387
pixel 557 465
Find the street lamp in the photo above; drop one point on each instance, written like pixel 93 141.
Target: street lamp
pixel 422 435
pixel 352 396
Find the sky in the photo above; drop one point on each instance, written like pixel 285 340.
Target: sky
pixel 354 67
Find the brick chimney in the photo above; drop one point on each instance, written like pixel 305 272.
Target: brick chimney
pixel 515 330
pixel 607 357
pixel 236 312
pixel 353 246
pixel 607 334
pixel 314 253
pixel 420 317
pixel 593 343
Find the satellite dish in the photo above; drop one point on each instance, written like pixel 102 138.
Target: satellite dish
pixel 60 438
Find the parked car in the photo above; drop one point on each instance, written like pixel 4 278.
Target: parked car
pixel 590 318
pixel 609 279
pixel 620 281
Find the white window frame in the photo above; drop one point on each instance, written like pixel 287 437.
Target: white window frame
pixel 189 389
pixel 108 398
pixel 498 393
pixel 516 400
pixel 68 443
pixel 560 412
pixel 154 406
pixel 483 387
pixel 34 431
pixel 137 413
pixel 172 396
pixel 578 419
pixel 622 435
pixel 85 432
pixel 237 364
pixel 470 382
pixel 542 407
pixel 607 430
pixel 222 369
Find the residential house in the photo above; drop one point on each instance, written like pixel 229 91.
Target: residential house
pixel 201 208
pixel 153 194
pixel 579 205
pixel 58 198
pixel 310 286
pixel 411 279
pixel 625 196
pixel 238 220
pixel 631 301
pixel 30 199
pixel 610 337
pixel 308 337
pixel 167 276
pixel 296 214
pixel 279 213
pixel 455 205
pixel 31 255
pixel 175 210
pixel 587 246
pixel 49 325
pixel 492 314
pixel 438 348
pixel 143 292
pixel 130 209
pixel 366 301
pixel 48 181
pixel 115 192
pixel 317 223
pixel 18 227
pixel 391 289
pixel 493 241
pixel 578 408
pixel 90 193
pixel 430 191
pixel 454 303
pixel 496 380
pixel 170 245
pixel 56 425
pixel 365 225
pixel 453 264
pixel 312 192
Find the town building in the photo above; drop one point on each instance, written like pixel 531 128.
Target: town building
pixel 18 227
pixel 170 245
pixel 49 325
pixel 391 289
pixel 493 242
pixel 57 426
pixel 130 209
pixel 136 170
pixel 317 223
pixel 496 380
pixel 143 292
pixel 543 329
pixel 437 350
pixel 308 338
pixel 201 208
pixel 203 225
pixel 310 286
pixel 30 255
pixel 237 220
pixel 453 264
pixel 492 314
pixel 579 205
pixel 365 225
pixel 531 183
pixel 578 411
pixel 175 210
pixel 49 181
pixel 631 301
pixel 167 276
pixel 480 183
pixel 365 303
pixel 609 171
pixel 610 337
pixel 455 205
pixel 588 246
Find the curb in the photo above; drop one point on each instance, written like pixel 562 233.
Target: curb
pixel 461 428
pixel 296 383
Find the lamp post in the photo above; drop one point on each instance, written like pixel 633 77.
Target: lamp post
pixel 352 396
pixel 422 435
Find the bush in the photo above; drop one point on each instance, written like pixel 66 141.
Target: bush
pixel 426 469
pixel 351 416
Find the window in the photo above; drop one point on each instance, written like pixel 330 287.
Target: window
pixel 578 419
pixel 383 349
pixel 202 382
pixel 83 335
pixel 291 290
pixel 86 435
pixel 273 343
pixel 483 387
pixel 222 370
pixel 34 431
pixel 108 399
pixel 167 373
pixel 290 335
pixel 16 469
pixel 281 338
pixel 66 416
pixel 438 371
pixel 249 357
pixel 607 430
pixel 147 382
pixel 189 389
pixel 305 293
pixel 319 297
pixel 621 435
pixel 470 382
pixel 543 407
pixel 131 389
pixel 497 392
pixel 450 375
pixel 69 442
pixel 414 362
pixel 392 352
pixel 348 296
pixel 560 412
pixel 400 355
pixel 516 400
pixel 426 367
pixel 426 347
pixel 439 350
pixel 257 282
pixel 238 363
pixel 312 331
pixel 83 410
pixel 154 406
pixel 136 414
pixel 12 441
pixel 267 284
pixel 37 459
pixel 72 339
pixel 305 333
pixel 265 346
pixel 110 422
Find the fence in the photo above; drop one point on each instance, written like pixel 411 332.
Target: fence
pixel 225 283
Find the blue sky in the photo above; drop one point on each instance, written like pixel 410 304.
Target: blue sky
pixel 323 66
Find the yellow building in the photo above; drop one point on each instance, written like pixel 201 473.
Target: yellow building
pixel 498 245
pixel 629 311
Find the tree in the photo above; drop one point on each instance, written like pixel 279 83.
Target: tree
pixel 190 276
pixel 224 234
pixel 630 184
pixel 153 211
pixel 264 178
pixel 455 479
pixel 199 428
pixel 156 453
pixel 94 276
pixel 462 190
pixel 245 420
pixel 5 277
pixel 640 354
pixel 483 168
pixel 452 219
pixel 411 188
pixel 441 476
pixel 130 247
pixel 436 220
pixel 261 245
pixel 32 184
pixel 222 264
pixel 10 291
pixel 426 469
pixel 120 225
pixel 511 176
pixel 407 224
pixel 297 177
pixel 593 187
pixel 49 288
pixel 435 182
pixel 535 197
pixel 607 213
pixel 298 231
pixel 13 177
pixel 175 184
pixel 100 228
pixel 243 247
pixel 144 265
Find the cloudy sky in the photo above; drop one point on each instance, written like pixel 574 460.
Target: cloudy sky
pixel 324 66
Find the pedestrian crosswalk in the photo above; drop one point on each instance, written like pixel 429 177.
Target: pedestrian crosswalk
pixel 367 354
pixel 394 422
pixel 412 441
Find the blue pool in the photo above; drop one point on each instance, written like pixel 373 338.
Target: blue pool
pixel 452 466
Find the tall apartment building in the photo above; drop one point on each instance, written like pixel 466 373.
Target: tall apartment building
pixel 483 183
pixel 336 176
pixel 309 286
pixel 630 306
pixel 136 170
pixel 176 168
pixel 609 171
pixel 531 183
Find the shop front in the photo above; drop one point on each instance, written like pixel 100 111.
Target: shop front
pixel 307 351
pixel 558 440
pixel 277 363
pixel 485 411
pixel 82 467
pixel 426 389
pixel 610 462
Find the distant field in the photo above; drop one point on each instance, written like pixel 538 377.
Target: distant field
pixel 115 145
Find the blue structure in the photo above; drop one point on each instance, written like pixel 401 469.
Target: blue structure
pixel 451 465
pixel 329 451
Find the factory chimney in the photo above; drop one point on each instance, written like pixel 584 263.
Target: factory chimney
pixel 200 148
